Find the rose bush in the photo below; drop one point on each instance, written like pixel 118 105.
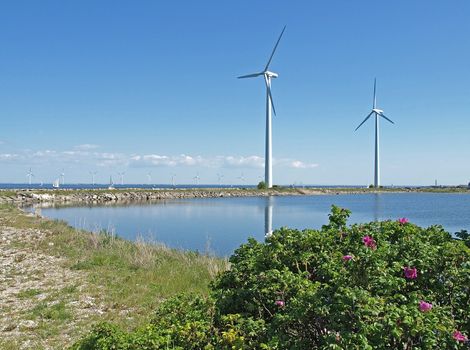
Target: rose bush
pixel 380 285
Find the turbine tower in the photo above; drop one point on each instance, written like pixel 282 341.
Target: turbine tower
pixel 173 177
pixel 196 178
pixel 377 113
pixel 62 176
pixel 121 174
pixel 268 76
pixel 220 177
pixel 93 173
pixel 30 175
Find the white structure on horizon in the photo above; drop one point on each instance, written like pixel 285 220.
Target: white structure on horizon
pixel 121 174
pixel 93 173
pixel 269 104
pixel 219 178
pixel 196 179
pixel 62 177
pixel 30 175
pixel 377 113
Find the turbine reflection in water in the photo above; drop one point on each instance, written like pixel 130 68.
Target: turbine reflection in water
pixel 268 216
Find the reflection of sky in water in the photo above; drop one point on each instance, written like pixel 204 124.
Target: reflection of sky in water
pixel 225 223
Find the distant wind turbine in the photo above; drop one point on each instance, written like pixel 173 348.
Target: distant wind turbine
pixel 30 175
pixel 269 103
pixel 121 174
pixel 149 177
pixel 377 113
pixel 62 176
pixel 173 176
pixel 241 178
pixel 93 173
pixel 196 178
pixel 220 177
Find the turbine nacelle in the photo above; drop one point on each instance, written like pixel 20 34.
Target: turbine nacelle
pixel 270 74
pixel 378 111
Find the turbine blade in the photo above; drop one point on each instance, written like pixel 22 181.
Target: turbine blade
pixel 274 50
pixel 250 75
pixel 368 116
pixel 268 88
pixel 382 115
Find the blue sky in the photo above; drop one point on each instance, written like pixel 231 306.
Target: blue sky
pixel 150 86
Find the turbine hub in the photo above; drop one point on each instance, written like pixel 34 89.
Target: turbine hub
pixel 271 74
pixel 378 111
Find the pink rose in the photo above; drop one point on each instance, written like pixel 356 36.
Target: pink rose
pixel 369 242
pixel 459 336
pixel 410 272
pixel 424 306
pixel 403 221
pixel 347 257
pixel 279 303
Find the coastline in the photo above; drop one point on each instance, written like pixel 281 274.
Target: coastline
pixel 77 196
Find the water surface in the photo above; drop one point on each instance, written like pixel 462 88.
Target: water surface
pixel 220 225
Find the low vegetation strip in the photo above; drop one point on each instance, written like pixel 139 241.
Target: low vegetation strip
pixel 56 282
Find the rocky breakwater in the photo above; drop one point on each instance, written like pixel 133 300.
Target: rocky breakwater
pixel 117 196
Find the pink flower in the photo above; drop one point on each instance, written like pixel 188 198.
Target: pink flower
pixel 459 336
pixel 347 257
pixel 403 221
pixel 369 242
pixel 424 306
pixel 410 272
pixel 280 303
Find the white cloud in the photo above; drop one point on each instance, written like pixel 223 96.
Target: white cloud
pixel 86 147
pixel 148 160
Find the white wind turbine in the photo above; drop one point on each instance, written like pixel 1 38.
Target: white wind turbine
pixel 377 113
pixel 121 174
pixel 269 104
pixel 220 177
pixel 30 175
pixel 149 177
pixel 242 178
pixel 62 176
pixel 93 173
pixel 196 178
pixel 173 177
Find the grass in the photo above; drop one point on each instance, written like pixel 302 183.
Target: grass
pixel 123 277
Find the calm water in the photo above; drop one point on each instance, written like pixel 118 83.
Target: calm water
pixel 219 225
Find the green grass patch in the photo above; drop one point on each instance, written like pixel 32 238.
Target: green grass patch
pixel 28 293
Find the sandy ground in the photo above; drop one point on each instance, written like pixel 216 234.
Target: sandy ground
pixel 41 303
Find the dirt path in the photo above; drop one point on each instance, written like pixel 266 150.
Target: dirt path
pixel 41 301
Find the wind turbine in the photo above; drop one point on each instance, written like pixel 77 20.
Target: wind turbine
pixel 220 177
pixel 62 176
pixel 241 178
pixel 93 173
pixel 173 176
pixel 268 75
pixel 196 178
pixel 30 175
pixel 121 174
pixel 149 177
pixel 377 113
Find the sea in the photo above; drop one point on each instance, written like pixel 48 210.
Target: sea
pixel 219 225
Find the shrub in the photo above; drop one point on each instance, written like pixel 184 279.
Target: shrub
pixel 381 285
pixel 262 185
